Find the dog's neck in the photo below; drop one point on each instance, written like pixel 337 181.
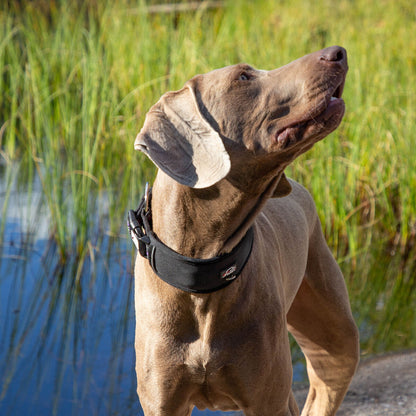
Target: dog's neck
pixel 203 223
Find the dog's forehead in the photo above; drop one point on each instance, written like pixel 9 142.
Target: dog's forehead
pixel 234 70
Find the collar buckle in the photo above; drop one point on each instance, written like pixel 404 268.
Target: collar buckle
pixel 138 223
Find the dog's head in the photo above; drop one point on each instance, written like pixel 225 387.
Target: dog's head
pixel 238 118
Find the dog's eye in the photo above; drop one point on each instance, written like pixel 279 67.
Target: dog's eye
pixel 244 77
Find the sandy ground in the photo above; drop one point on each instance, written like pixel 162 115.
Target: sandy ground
pixel 384 386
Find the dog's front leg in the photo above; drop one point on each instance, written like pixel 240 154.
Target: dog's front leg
pixel 162 390
pixel 320 319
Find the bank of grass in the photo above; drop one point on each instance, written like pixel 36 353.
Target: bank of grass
pixel 76 80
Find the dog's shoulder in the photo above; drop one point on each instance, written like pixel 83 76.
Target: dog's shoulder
pixel 298 199
pixel 292 210
pixel 285 225
pixel 301 196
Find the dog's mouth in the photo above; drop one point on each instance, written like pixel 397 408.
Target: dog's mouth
pixel 322 120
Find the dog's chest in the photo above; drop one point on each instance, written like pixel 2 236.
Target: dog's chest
pixel 225 353
pixel 223 335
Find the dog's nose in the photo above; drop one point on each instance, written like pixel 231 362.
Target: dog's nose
pixel 334 54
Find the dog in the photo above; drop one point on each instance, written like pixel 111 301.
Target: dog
pixel 218 339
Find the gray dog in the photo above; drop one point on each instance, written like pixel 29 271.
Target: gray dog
pixel 232 252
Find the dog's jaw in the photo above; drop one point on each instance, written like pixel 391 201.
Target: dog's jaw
pixel 322 120
pixel 317 127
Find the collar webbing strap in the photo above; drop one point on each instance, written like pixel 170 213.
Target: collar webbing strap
pixel 186 273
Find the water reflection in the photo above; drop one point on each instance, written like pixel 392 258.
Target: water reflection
pixel 66 330
pixel 66 333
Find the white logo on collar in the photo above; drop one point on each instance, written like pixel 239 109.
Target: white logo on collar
pixel 229 274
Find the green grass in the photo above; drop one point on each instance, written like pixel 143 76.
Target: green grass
pixel 77 79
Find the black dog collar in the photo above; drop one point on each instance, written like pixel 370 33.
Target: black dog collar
pixel 185 273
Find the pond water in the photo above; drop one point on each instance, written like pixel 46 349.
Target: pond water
pixel 66 330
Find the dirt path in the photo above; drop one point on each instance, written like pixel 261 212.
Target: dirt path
pixel 383 386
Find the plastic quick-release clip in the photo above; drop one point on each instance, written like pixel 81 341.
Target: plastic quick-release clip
pixel 135 224
pixel 140 239
pixel 133 227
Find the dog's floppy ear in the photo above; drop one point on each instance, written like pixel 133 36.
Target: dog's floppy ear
pixel 283 187
pixel 178 139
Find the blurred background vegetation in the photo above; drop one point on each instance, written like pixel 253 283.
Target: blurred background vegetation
pixel 77 78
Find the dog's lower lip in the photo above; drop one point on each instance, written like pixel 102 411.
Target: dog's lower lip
pixel 285 136
pixel 334 103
